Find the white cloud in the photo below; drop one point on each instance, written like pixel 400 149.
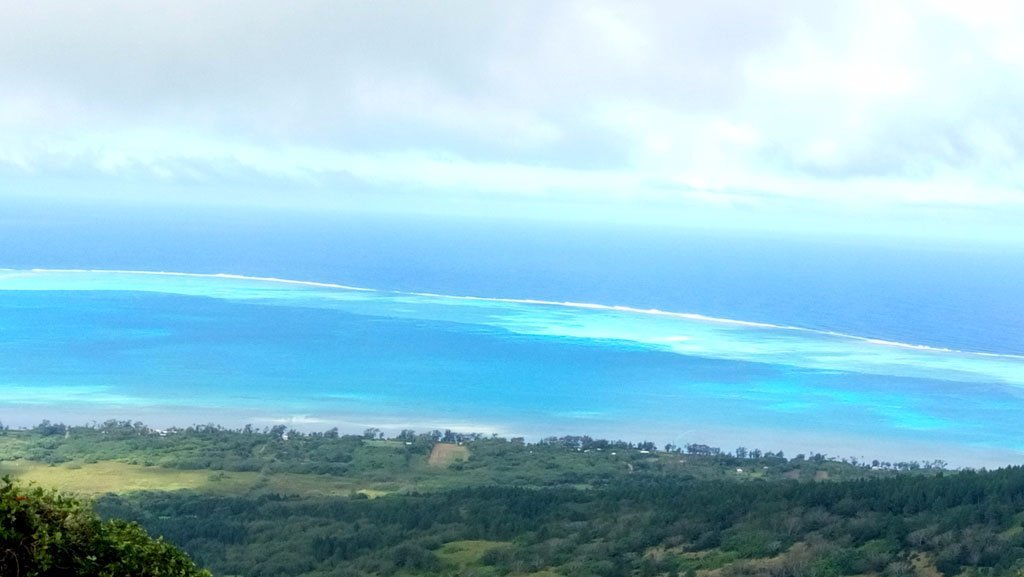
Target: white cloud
pixel 654 107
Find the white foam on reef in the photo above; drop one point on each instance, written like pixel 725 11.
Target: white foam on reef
pixel 718 320
pixel 525 301
pixel 220 275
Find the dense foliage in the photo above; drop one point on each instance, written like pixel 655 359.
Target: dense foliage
pixel 645 525
pixel 402 461
pixel 44 533
pixel 475 506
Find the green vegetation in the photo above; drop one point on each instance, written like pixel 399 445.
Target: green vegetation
pixel 277 502
pixel 44 533
pixel 644 525
pixel 409 462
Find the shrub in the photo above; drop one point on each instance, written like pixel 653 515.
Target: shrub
pixel 44 533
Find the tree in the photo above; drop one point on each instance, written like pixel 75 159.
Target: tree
pixel 46 534
pixel 47 428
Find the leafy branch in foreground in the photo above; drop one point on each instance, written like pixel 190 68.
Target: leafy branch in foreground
pixel 44 533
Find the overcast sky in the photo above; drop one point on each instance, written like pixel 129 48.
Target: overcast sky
pixel 873 117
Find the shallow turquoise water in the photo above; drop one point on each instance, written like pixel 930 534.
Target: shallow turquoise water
pixel 177 349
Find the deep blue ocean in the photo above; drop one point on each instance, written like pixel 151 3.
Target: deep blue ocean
pixel 177 350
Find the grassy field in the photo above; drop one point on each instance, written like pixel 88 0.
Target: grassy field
pixel 105 477
pixel 444 454
pixel 92 479
pixel 463 554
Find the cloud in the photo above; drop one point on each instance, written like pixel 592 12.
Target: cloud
pixel 724 107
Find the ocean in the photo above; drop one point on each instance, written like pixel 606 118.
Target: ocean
pixel 866 348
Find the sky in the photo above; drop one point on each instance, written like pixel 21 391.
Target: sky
pixel 866 117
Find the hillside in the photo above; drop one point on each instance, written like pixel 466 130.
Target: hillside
pixel 277 502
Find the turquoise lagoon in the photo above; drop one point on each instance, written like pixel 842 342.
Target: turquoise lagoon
pixel 177 349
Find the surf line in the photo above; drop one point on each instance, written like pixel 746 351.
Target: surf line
pixel 536 302
pixel 219 275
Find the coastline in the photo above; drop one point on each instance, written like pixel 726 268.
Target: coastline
pixel 513 367
pixel 791 443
